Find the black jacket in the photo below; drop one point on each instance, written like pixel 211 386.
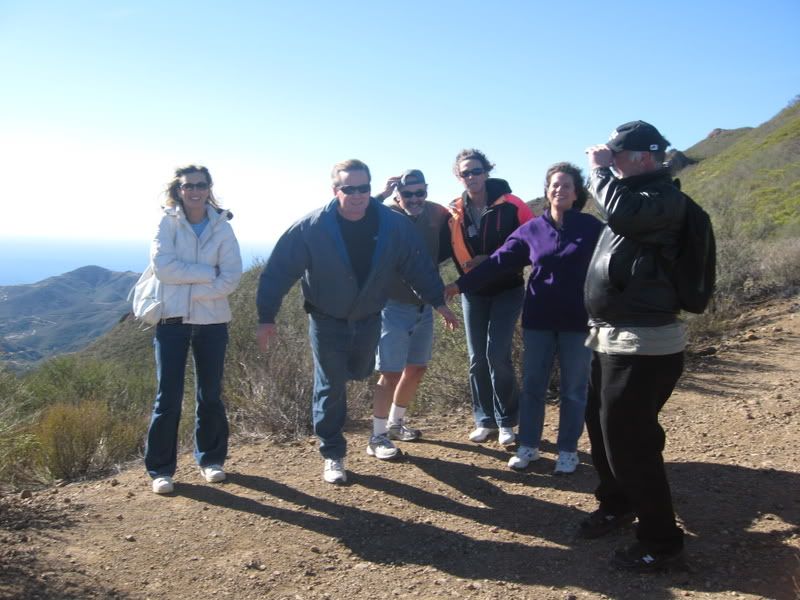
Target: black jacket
pixel 505 212
pixel 627 283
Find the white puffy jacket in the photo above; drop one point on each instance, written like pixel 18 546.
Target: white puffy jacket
pixel 186 265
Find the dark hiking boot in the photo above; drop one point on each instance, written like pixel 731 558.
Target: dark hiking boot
pixel 599 523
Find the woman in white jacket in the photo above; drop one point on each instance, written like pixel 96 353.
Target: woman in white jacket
pixel 195 256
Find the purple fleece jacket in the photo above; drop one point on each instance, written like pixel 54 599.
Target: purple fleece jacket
pixel 559 259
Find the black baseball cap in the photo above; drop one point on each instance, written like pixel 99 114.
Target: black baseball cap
pixel 411 177
pixel 637 136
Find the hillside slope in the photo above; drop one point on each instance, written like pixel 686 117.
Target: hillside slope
pixel 749 178
pixel 450 520
pixel 60 314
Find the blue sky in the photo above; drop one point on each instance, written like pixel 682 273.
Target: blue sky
pixel 101 100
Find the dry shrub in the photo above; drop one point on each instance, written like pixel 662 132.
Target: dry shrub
pixel 268 393
pixel 21 459
pixel 272 394
pixel 748 271
pixel 79 438
pixel 780 264
pixel 20 452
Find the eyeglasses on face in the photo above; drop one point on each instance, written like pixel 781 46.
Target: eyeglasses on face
pixel 418 194
pixel 473 172
pixel 349 190
pixel 203 185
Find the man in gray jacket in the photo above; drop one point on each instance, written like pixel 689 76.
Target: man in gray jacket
pixel 346 254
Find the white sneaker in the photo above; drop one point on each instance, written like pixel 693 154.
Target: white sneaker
pixel 380 446
pixel 506 436
pixel 524 456
pixel 163 485
pixel 213 473
pixel 567 462
pixel 480 434
pixel 334 471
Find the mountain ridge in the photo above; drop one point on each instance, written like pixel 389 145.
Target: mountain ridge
pixel 62 313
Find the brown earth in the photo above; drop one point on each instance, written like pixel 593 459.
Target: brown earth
pixel 450 519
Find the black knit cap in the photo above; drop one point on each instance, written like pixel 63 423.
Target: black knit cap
pixel 637 136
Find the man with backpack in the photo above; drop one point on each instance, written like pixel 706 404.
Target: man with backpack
pixel 638 341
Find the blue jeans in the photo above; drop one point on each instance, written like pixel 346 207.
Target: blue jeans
pixel 343 350
pixel 172 342
pixel 489 322
pixel 574 360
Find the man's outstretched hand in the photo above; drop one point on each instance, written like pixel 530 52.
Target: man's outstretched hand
pixel 450 320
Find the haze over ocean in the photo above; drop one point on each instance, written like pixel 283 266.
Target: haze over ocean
pixel 28 260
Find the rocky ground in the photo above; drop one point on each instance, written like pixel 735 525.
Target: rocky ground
pixel 450 519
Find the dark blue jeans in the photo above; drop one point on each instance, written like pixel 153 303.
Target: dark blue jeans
pixel 172 343
pixel 343 350
pixel 489 322
pixel 626 393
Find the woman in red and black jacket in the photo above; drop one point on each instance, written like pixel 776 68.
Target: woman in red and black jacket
pixel 482 218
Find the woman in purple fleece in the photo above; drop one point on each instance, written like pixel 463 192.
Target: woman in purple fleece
pixel 558 246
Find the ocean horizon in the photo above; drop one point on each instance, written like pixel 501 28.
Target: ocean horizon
pixel 25 261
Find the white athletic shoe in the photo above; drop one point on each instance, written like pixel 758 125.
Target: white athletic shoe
pixel 334 471
pixel 213 473
pixel 567 463
pixel 524 456
pixel 480 434
pixel 380 446
pixel 506 436
pixel 163 485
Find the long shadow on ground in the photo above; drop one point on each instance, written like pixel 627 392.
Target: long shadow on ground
pixel 719 505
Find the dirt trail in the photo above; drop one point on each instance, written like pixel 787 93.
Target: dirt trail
pixel 450 520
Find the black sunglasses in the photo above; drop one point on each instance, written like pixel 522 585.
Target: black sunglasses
pixel 349 190
pixel 418 194
pixel 474 172
pixel 203 185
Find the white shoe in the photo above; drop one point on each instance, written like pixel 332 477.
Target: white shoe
pixel 163 485
pixel 480 434
pixel 334 471
pixel 380 446
pixel 567 462
pixel 213 473
pixel 506 436
pixel 524 456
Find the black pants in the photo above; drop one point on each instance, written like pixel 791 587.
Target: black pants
pixel 626 393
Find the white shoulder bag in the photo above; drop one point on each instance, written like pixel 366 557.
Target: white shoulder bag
pixel 147 297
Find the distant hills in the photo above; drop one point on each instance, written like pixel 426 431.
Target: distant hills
pixel 60 314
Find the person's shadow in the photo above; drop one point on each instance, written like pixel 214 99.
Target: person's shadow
pixel 741 524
